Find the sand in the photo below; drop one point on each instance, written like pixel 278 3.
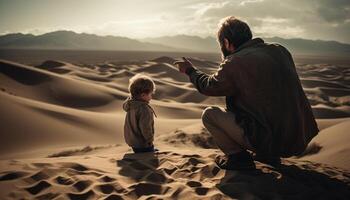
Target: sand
pixel 62 137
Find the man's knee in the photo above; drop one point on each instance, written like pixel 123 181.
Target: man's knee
pixel 208 114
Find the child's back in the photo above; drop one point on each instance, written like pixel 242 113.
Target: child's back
pixel 139 124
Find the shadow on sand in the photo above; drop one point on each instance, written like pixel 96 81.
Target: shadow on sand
pixel 291 180
pixel 284 182
pixel 142 168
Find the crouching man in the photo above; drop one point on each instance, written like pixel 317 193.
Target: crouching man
pixel 266 111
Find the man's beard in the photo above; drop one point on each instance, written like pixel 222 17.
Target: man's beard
pixel 224 52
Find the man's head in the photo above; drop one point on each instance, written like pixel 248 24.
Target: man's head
pixel 232 34
pixel 141 87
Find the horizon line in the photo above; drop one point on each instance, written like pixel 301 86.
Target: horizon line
pixel 137 38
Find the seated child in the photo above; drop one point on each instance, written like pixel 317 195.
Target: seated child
pixel 139 122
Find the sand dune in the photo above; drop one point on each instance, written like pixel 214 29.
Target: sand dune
pixel 334 150
pixel 53 88
pixel 56 66
pixel 76 111
pixel 173 173
pixel 327 88
pixel 62 136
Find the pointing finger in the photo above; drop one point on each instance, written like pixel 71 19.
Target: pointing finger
pixel 185 59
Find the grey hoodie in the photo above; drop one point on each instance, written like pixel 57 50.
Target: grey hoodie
pixel 139 123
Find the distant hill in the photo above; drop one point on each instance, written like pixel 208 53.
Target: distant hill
pixel 296 46
pixel 303 46
pixel 192 43
pixel 72 40
pixel 178 43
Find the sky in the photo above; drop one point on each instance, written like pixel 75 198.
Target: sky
pixel 309 19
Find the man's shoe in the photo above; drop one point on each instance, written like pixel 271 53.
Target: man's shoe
pixel 238 161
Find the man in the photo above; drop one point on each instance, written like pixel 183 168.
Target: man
pixel 266 112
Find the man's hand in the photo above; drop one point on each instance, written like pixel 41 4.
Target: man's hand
pixel 183 65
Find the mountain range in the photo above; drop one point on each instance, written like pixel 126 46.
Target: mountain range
pixel 75 41
pixel 70 40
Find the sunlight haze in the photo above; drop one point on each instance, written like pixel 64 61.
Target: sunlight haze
pixel 319 19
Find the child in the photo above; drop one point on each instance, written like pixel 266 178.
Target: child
pixel 139 122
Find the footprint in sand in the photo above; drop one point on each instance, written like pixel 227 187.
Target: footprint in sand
pixel 81 185
pixel 107 179
pixel 63 180
pixel 12 175
pixel 38 187
pixel 140 189
pixel 90 194
pixel 110 188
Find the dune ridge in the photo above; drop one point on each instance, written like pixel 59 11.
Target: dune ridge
pixel 62 136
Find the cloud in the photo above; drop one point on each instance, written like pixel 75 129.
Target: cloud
pixel 316 19
pixel 280 31
pixel 334 11
pixel 243 3
pixel 130 28
pixel 202 8
pixel 270 27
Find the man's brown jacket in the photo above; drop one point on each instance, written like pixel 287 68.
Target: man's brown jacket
pixel 263 89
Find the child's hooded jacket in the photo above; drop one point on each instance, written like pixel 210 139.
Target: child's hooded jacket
pixel 139 123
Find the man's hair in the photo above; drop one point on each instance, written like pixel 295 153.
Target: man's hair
pixel 234 30
pixel 139 84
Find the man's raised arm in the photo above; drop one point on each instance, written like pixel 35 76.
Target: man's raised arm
pixel 218 84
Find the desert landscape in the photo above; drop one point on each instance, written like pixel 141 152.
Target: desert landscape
pixel 65 68
pixel 62 134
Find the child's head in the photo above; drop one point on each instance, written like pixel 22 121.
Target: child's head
pixel 141 87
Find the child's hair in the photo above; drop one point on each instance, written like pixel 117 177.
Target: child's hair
pixel 139 84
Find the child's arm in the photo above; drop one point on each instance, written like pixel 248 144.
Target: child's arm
pixel 146 124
